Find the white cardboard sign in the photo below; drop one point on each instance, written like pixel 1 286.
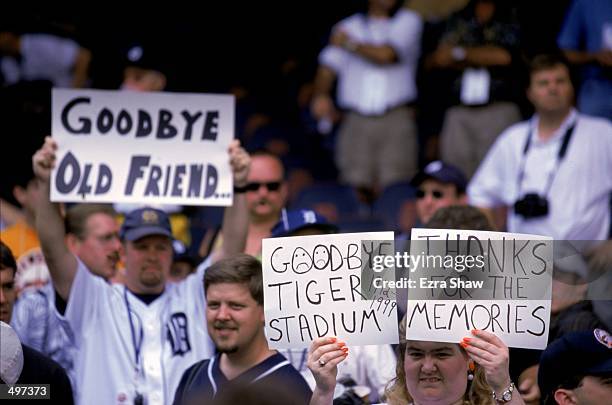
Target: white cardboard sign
pixel 313 288
pixel 132 147
pixel 508 295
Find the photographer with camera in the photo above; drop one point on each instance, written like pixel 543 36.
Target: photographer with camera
pixel 552 171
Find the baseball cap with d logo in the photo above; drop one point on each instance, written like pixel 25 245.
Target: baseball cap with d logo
pixel 145 222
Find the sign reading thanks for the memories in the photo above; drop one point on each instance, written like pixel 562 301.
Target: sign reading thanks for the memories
pixel 314 286
pixel 133 147
pixel 494 281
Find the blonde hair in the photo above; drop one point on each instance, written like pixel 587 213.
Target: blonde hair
pixel 478 391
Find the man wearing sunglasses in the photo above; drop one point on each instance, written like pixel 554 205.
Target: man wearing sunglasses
pixel 266 195
pixel 438 185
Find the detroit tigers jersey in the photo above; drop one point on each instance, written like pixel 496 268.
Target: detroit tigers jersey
pixel 170 333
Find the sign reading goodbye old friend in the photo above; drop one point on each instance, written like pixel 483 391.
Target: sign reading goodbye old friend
pixel 313 288
pixel 494 281
pixel 133 147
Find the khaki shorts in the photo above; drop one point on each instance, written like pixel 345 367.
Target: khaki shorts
pixel 469 132
pixel 377 151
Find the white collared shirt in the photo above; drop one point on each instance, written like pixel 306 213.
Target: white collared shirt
pixel 367 87
pixel 580 193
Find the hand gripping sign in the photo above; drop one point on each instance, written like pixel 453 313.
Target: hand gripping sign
pixel 162 148
pixel 494 281
pixel 314 286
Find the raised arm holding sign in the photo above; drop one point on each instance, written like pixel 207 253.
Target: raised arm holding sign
pixel 96 318
pixel 474 371
pixel 162 148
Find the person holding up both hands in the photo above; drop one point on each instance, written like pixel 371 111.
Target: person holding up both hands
pixel 474 371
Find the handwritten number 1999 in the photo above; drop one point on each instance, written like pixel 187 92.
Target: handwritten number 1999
pixel 387 303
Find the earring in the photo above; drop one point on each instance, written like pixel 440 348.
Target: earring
pixel 471 368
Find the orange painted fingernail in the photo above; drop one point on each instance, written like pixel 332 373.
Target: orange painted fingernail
pixel 342 344
pixel 463 344
pixel 345 349
pixel 467 340
pixel 475 331
pixel 333 340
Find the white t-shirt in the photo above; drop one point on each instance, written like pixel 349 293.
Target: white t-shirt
pixel 174 336
pixel 367 87
pixel 579 198
pixel 43 57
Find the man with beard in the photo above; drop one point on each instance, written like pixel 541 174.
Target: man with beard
pixel 92 235
pixel 135 340
pixel 235 320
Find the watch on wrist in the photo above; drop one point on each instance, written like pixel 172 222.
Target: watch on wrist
pixel 505 397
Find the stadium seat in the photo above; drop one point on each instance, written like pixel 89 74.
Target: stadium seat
pixel 388 207
pixel 338 203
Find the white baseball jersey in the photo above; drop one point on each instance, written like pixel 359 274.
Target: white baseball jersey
pixel 170 332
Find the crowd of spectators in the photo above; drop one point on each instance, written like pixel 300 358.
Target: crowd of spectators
pixel 358 116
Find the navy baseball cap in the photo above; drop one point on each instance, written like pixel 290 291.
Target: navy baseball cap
pixel 296 220
pixel 575 354
pixel 143 222
pixel 442 172
pixel 144 56
pixel 181 254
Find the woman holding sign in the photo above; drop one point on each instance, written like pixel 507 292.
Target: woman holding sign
pixel 475 371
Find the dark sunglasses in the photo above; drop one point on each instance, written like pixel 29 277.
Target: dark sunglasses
pixel 437 194
pixel 271 186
